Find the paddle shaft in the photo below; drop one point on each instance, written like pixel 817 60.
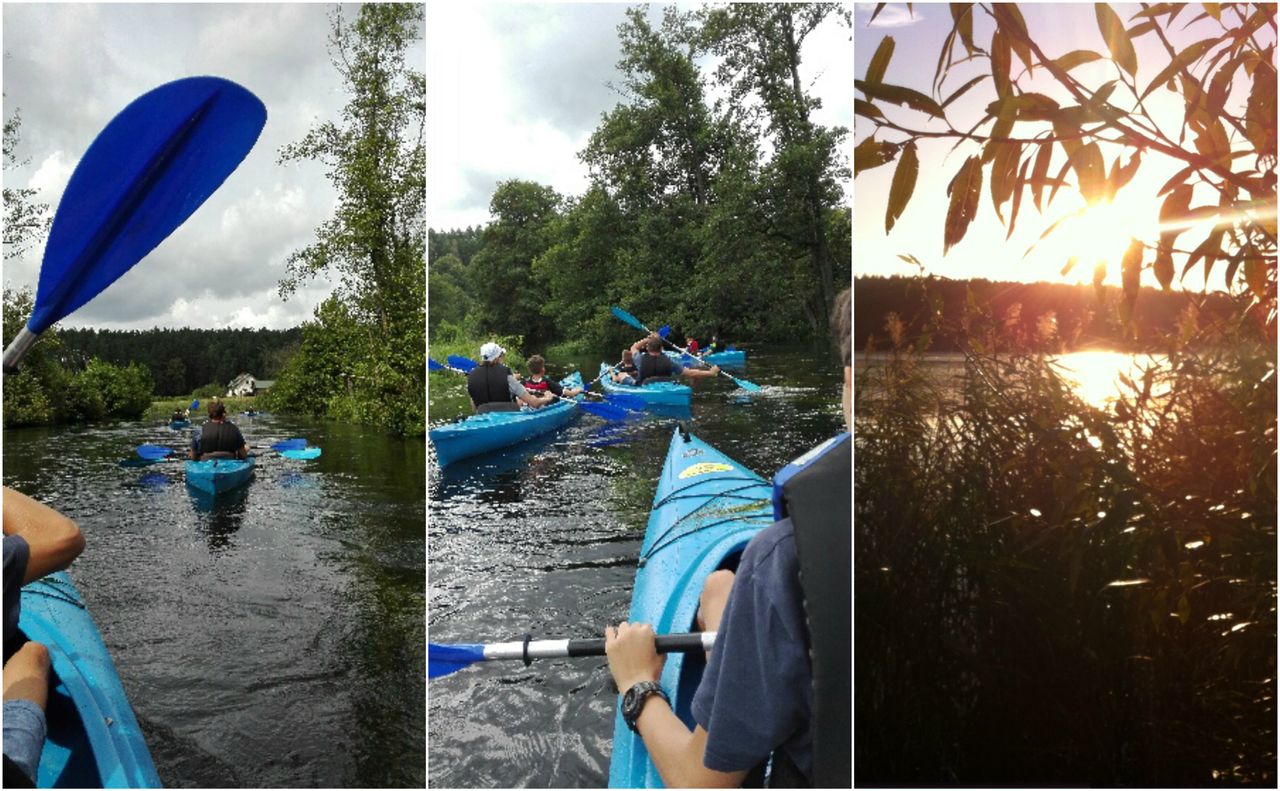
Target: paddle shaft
pixel 548 649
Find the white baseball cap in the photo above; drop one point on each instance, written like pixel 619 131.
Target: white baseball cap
pixel 491 351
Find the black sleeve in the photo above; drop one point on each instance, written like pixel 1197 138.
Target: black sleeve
pixel 555 387
pixel 240 443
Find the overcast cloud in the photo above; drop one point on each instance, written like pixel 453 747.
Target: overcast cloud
pixel 515 90
pixel 70 68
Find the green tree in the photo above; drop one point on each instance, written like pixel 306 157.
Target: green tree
pixel 507 297
pixel 760 49
pixel 25 221
pixel 375 245
pixel 448 291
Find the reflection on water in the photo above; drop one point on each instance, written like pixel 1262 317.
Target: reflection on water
pixel 1096 375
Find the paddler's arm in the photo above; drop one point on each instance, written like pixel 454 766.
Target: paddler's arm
pixel 54 540
pixel 676 752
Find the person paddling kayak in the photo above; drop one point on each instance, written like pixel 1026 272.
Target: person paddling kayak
pixel 776 682
pixel 219 438
pixel 37 541
pixel 491 385
pixel 538 384
pixel 654 366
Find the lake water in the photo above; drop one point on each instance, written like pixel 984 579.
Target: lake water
pixel 273 637
pixel 543 539
pixel 1095 373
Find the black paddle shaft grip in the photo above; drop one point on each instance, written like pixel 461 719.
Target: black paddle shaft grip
pixel 666 644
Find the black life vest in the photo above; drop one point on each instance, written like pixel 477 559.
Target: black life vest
pixel 14 777
pixel 219 437
pixel 816 492
pixel 652 368
pixel 488 384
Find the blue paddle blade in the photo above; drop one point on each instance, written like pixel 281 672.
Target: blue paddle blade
pixel 445 659
pixel 664 330
pixel 289 444
pixel 626 401
pixel 628 318
pixel 195 404
pixel 750 387
pixel 155 452
pixel 301 454
pixel 464 364
pixel 142 177
pixel 605 411
pixel 432 365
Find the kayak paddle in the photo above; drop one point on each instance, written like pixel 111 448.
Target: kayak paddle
pixel 443 659
pixel 144 174
pixel 466 365
pixel 195 404
pixel 158 452
pixel 634 322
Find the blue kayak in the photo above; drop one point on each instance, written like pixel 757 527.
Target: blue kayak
pixel 493 430
pixel 726 359
pixel 661 393
pixel 707 507
pixel 179 424
pixel 94 740
pixel 219 475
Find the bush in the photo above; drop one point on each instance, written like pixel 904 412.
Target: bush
pixel 1050 593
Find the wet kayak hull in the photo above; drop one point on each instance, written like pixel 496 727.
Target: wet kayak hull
pixel 94 739
pixel 706 508
pixel 492 431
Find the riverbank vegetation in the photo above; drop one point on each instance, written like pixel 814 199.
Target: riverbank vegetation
pixel 713 193
pixel 361 357
pixel 1050 591
pixel 48 390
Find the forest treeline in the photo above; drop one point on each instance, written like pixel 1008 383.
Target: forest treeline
pixel 711 214
pixel 1079 316
pixel 182 360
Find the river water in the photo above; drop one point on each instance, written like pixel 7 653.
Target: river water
pixel 543 539
pixel 272 637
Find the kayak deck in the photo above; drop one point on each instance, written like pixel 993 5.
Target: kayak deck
pixel 706 508
pixel 658 393
pixel 736 358
pixel 494 430
pixel 94 740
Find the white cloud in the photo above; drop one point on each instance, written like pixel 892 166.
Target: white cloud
pixel 891 16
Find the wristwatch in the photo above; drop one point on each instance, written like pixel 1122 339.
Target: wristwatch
pixel 633 701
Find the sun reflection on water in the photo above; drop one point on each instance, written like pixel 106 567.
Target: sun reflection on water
pixel 1096 374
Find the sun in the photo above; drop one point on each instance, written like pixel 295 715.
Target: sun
pixel 1100 234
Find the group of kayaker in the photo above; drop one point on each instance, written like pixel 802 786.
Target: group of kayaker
pixel 776 683
pixel 493 387
pixel 37 541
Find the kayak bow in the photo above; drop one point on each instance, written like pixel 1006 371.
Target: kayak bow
pixel 493 430
pixel 706 508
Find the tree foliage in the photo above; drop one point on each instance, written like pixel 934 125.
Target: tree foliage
pixel 1219 207
pixel 362 356
pixel 25 221
pixel 714 201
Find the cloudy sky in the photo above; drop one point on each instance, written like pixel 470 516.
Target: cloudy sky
pixel 515 90
pixel 70 68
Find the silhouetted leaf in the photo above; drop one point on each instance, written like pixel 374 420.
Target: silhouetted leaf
pixel 1075 58
pixel 1260 113
pixel 1255 271
pixel 1010 18
pixel 876 12
pixel 963 88
pixel 1179 62
pixel 1117 38
pixel 867 109
pixel 1131 268
pixel 1091 172
pixel 896 94
pixel 1017 197
pixel 872 153
pixel 965 189
pixel 1004 169
pixel 904 184
pixel 1041 171
pixel 1122 175
pixel 962 15
pixel 1163 267
pixel 1000 63
pixel 880 60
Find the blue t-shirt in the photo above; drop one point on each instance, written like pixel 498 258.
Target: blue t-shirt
pixel 16 554
pixel 757 692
